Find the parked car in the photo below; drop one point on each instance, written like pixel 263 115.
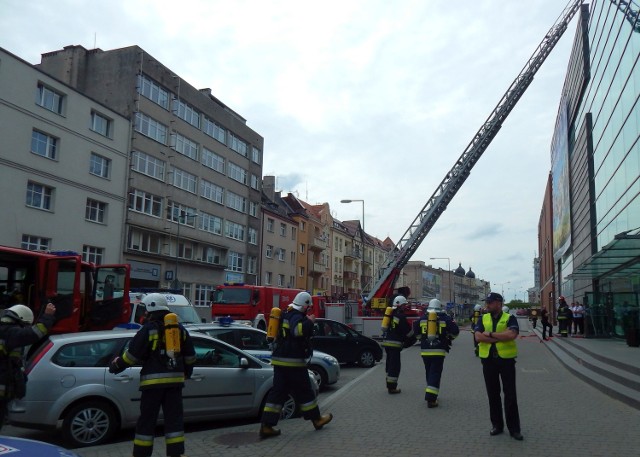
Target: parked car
pixel 345 344
pixel 20 447
pixel 178 304
pixel 70 386
pixel 254 341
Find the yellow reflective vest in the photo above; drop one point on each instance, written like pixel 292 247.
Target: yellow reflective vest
pixel 506 349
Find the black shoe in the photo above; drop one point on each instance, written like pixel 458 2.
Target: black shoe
pixel 432 404
pixel 267 431
pixel 517 436
pixel 495 431
pixel 395 390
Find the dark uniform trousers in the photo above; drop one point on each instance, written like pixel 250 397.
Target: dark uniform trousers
pixel 170 399
pixel 433 366
pixel 494 370
pixel 392 366
pixel 294 380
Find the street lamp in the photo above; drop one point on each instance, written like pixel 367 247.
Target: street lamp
pixel 449 264
pixel 361 201
pixel 362 285
pixel 502 286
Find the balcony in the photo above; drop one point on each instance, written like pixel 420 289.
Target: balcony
pixel 350 275
pixel 317 268
pixel 353 253
pixel 318 244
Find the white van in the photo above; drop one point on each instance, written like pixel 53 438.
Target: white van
pixel 178 304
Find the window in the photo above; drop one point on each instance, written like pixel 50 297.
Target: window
pixel 211 255
pixel 144 241
pixel 212 160
pixel 92 254
pixel 49 98
pixel 293 258
pixel 181 214
pixel 235 261
pixel 234 231
pixel 303 226
pixel 294 232
pixel 186 112
pixel 255 182
pixel 210 223
pixel 270 224
pixel 267 278
pixel 186 147
pixel 153 91
pixel 280 280
pixel 214 130
pixel 302 248
pixel 151 128
pixel 35 243
pixel 185 249
pixel 252 236
pixel 203 292
pixel 269 253
pixel 283 229
pixel 237 173
pixel 211 191
pixel 292 281
pixel 44 145
pixel 253 209
pixel 255 154
pixel 144 202
pixel 99 166
pixel 238 145
pixel 39 196
pixel 236 202
pixel 281 254
pixel 95 211
pixel 252 265
pixel 183 180
pixel 147 165
pixel 301 272
pixel 101 124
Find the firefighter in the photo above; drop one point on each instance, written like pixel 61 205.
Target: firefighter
pixel 437 330
pixel 164 370
pixel 564 317
pixel 291 353
pixel 16 332
pixel 396 337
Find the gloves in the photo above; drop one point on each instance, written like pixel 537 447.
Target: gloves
pixel 188 371
pixel 117 365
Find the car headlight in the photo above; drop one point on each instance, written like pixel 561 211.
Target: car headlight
pixel 330 360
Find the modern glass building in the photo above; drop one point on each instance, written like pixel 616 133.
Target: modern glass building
pixel 595 170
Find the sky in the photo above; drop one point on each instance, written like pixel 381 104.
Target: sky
pixel 371 100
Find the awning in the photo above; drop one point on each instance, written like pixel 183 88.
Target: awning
pixel 618 259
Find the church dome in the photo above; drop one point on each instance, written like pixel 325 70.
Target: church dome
pixel 470 274
pixel 459 271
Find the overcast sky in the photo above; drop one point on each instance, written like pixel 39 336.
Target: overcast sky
pixel 356 99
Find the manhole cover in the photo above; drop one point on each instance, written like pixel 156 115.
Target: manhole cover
pixel 237 439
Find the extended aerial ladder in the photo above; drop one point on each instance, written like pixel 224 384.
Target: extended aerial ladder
pixel 452 182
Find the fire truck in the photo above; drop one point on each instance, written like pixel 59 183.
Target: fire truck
pixel 87 296
pixel 252 304
pixel 383 291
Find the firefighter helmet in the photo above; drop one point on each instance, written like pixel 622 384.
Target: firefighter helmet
pixel 477 308
pixel 505 309
pixel 399 301
pixel 435 305
pixel 302 301
pixel 20 313
pixel 155 302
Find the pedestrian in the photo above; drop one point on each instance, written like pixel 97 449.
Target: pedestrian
pixel 544 320
pixel 395 339
pixel 534 318
pixel 16 332
pixel 291 353
pixel 437 330
pixel 578 318
pixel 164 370
pixel 496 334
pixel 477 315
pixel 564 317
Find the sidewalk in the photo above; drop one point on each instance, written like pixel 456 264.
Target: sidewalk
pixel 555 408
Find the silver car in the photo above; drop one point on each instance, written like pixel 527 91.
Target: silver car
pixel 254 341
pixel 71 388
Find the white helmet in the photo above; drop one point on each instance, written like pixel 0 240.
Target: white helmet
pixel 435 304
pixel 302 301
pixel 505 309
pixel 477 308
pixel 20 313
pixel 155 302
pixel 399 301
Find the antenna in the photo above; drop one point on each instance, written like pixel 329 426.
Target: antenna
pixel 95 38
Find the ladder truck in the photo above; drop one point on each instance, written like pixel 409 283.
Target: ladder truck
pixel 383 289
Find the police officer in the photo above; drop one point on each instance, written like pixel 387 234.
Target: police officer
pixel 437 330
pixel 396 337
pixel 291 353
pixel 496 333
pixel 161 378
pixel 16 332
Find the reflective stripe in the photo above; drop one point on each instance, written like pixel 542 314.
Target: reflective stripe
pixel 297 331
pixel 173 438
pixel 432 390
pixel 272 408
pixel 129 358
pixel 143 440
pixel 392 344
pixel 161 378
pixel 309 406
pixel 288 361
pixel 433 352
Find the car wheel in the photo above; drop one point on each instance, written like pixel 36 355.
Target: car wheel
pixel 320 375
pixel 366 359
pixel 89 423
pixel 289 409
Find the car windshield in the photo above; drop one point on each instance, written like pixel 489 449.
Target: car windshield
pixel 232 296
pixel 186 314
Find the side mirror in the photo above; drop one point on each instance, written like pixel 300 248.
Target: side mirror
pixel 244 363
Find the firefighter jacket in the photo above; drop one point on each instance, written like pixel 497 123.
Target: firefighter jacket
pixel 147 348
pixel 564 312
pixel 13 338
pixel 292 347
pixel 446 331
pixel 504 349
pixel 399 331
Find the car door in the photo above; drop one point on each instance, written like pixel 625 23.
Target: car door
pixel 123 387
pixel 331 337
pixel 219 386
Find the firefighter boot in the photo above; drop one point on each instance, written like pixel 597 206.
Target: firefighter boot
pixel 267 431
pixel 394 390
pixel 322 421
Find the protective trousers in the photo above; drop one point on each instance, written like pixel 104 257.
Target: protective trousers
pixel 170 400
pixel 495 370
pixel 294 380
pixel 392 366
pixel 433 370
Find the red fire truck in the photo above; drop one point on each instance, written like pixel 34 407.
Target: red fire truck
pixel 87 296
pixel 252 304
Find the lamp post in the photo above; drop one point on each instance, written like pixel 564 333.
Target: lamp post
pixel 451 294
pixel 502 287
pixel 363 235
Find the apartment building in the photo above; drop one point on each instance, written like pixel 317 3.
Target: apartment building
pixel 195 167
pixel 64 158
